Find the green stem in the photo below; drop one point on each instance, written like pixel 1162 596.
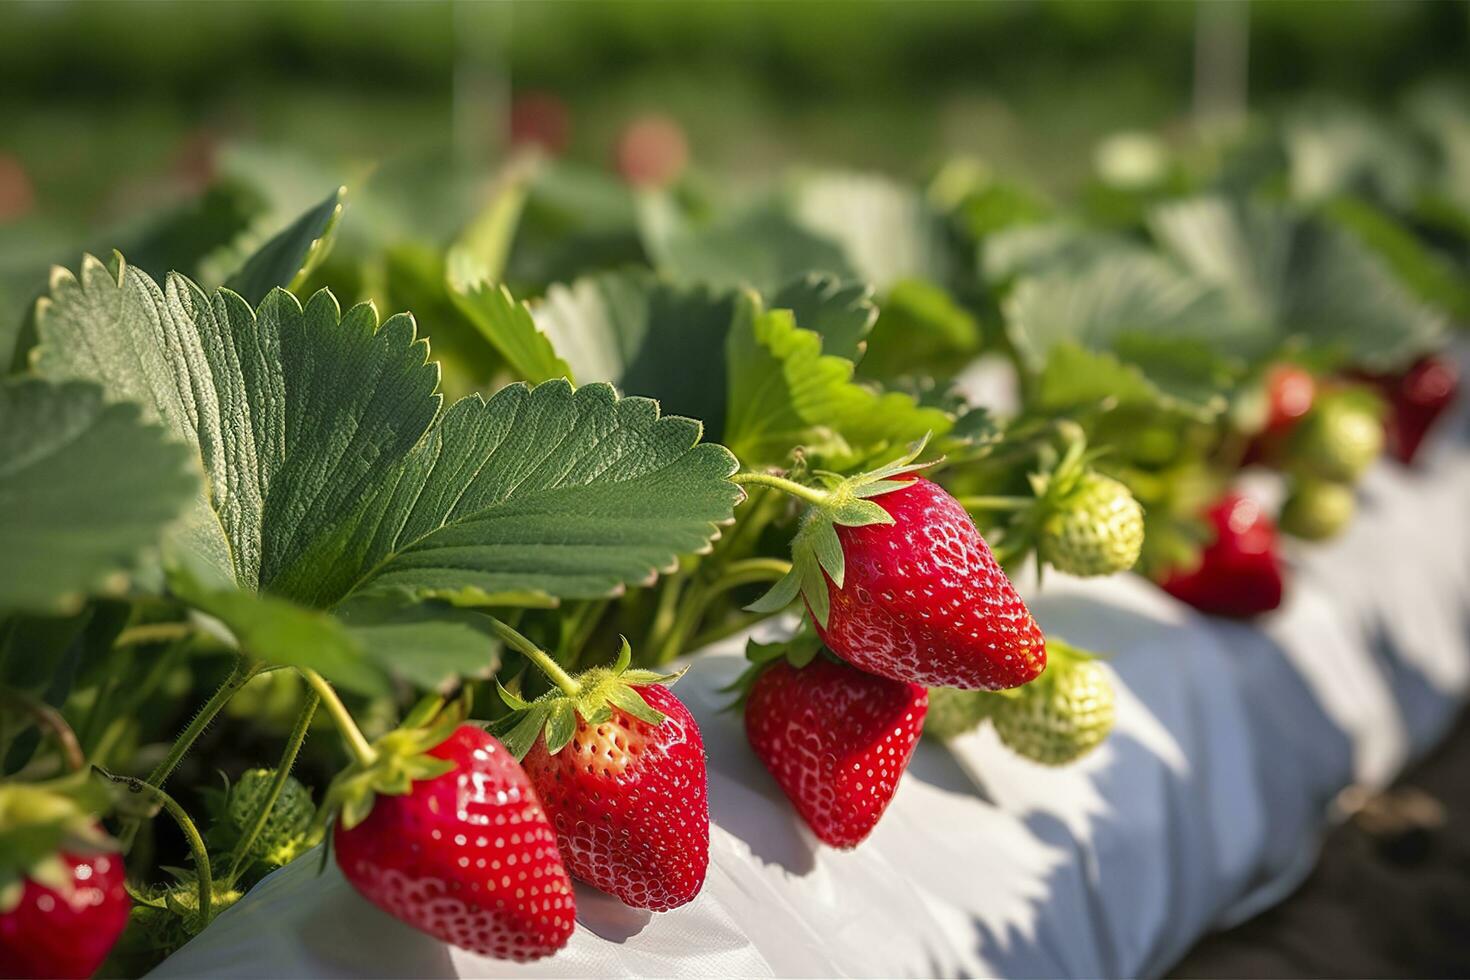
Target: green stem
pixel 578 627
pixel 666 614
pixel 283 772
pixel 191 834
pixel 810 494
pixel 240 673
pixel 996 503
pixel 357 744
pixel 49 720
pixel 736 574
pixel 537 656
pixel 726 630
pixel 153 633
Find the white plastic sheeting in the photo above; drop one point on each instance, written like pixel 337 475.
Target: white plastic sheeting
pixel 1206 804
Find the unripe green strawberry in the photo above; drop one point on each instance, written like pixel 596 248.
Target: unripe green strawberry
pixel 284 836
pixel 953 712
pixel 1317 509
pixel 1060 716
pixel 1339 438
pixel 1097 528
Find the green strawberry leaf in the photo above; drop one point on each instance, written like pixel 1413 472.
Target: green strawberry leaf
pixel 503 322
pixel 1074 378
pixel 426 644
pixel 333 475
pixel 278 631
pixel 571 492
pixel 842 312
pixel 763 248
pixel 921 329
pixel 637 332
pixel 1119 293
pixel 785 392
pixel 886 229
pixel 1307 280
pixel 288 258
pixel 1429 274
pixel 86 489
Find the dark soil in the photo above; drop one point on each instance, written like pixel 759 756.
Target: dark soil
pixel 1390 896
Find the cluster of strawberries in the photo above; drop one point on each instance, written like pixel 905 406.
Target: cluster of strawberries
pixel 481 855
pixel 1323 437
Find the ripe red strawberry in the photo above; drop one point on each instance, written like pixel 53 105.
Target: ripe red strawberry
pixel 540 119
pixel 628 801
pixel 67 927
pixel 1240 573
pixel 836 739
pixel 924 600
pixel 1290 392
pixel 467 856
pixel 1416 399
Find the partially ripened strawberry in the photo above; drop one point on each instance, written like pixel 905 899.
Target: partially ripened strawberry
pixel 1290 391
pixel 467 856
pixel 836 739
pixel 1240 572
pixel 1416 399
pixel 63 903
pixel 628 800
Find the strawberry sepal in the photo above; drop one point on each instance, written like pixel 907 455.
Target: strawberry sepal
pixel 816 551
pixel 598 692
pixel 401 758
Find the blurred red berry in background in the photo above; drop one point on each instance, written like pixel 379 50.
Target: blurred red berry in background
pixel 652 151
pixel 17 194
pixel 540 119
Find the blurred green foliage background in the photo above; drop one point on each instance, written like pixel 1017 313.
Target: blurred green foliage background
pixel 115 112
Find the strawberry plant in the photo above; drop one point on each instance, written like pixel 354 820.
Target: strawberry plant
pixel 255 527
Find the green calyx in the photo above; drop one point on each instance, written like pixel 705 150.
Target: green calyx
pixel 38 821
pixel 169 915
pixel 799 650
pixel 592 695
pixel 816 549
pixel 400 759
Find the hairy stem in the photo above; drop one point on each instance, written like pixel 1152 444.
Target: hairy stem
pixel 357 743
pixel 240 673
pixel 191 834
pixel 537 656
pixel 810 494
pixel 49 720
pixel 283 772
